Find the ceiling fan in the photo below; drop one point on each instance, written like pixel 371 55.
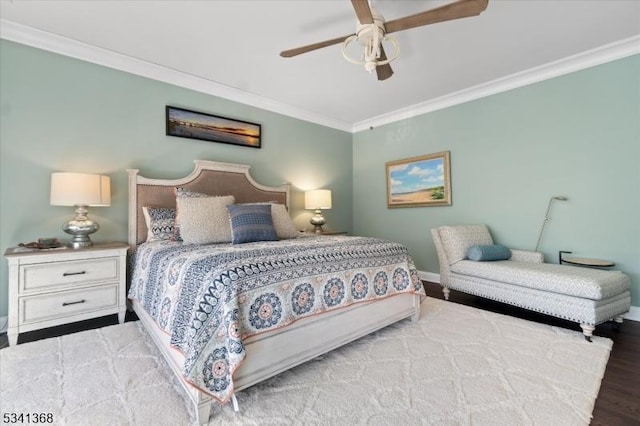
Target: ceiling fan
pixel 372 31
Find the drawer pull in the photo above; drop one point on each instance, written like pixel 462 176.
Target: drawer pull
pixel 73 303
pixel 66 274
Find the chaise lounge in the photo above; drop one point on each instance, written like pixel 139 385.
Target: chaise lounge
pixel 584 295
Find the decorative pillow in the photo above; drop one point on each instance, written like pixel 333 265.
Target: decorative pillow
pixel 488 253
pixel 184 193
pixel 204 220
pixel 251 222
pixel 187 193
pixel 161 223
pixel 281 220
pixel 456 240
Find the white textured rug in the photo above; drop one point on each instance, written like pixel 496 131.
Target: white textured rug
pixel 457 366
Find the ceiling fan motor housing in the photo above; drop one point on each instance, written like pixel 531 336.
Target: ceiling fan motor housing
pixel 371 37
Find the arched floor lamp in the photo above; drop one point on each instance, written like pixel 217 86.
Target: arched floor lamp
pixel 546 216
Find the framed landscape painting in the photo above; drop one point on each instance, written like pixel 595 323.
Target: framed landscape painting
pixel 198 125
pixel 419 181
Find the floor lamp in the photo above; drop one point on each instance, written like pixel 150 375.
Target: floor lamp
pixel 546 217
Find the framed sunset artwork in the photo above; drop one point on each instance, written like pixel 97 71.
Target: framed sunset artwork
pixel 189 124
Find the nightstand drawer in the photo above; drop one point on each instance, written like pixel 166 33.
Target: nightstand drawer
pixel 66 303
pixel 48 275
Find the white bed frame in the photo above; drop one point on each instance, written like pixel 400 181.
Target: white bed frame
pixel 269 353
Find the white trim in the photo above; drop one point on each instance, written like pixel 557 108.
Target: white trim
pixel 600 55
pixel 54 43
pixel 432 277
pixel 634 314
pixel 3 324
pixel 75 49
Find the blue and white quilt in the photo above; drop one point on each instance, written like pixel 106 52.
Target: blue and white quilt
pixel 208 298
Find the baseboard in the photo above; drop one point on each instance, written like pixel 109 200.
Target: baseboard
pixel 432 277
pixel 429 276
pixel 634 314
pixel 3 325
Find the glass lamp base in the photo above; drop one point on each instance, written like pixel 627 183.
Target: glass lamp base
pixel 80 227
pixel 317 220
pixel 80 241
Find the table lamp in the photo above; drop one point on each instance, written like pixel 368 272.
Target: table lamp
pixel 318 200
pixel 80 190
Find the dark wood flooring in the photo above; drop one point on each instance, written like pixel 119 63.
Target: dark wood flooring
pixel 618 402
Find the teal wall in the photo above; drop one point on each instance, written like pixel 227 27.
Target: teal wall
pixel 62 114
pixel 577 135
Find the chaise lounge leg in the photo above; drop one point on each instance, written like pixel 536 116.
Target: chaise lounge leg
pixel 446 292
pixel 587 330
pixel 617 322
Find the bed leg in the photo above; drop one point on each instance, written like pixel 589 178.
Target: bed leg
pixel 446 292
pixel 203 411
pixel 234 400
pixel 617 322
pixel 416 308
pixel 587 330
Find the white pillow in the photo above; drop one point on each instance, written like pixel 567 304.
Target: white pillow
pixel 204 220
pixel 282 222
pixel 285 228
pixel 456 240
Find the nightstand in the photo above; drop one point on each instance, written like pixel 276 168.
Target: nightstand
pixel 60 286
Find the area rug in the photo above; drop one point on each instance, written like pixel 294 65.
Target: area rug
pixel 457 365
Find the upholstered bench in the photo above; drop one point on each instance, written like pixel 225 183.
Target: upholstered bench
pixel 584 295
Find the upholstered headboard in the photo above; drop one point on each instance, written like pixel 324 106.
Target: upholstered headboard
pixel 208 177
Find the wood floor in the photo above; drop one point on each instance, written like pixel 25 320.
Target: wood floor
pixel 618 402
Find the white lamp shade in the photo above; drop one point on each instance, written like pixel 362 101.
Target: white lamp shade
pixel 80 189
pixel 317 199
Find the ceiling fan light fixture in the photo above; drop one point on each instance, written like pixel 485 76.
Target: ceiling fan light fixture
pixel 371 54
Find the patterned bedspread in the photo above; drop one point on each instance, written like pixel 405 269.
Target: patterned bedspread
pixel 208 298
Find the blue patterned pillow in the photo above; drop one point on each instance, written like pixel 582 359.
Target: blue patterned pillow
pixel 488 253
pixel 188 193
pixel 161 222
pixel 251 222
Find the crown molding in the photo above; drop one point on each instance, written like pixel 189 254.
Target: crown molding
pixel 33 37
pixel 607 53
pixel 29 36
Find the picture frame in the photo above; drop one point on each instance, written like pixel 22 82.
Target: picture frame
pixel 189 124
pixel 419 181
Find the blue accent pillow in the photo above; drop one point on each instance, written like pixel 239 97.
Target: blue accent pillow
pixel 251 222
pixel 484 253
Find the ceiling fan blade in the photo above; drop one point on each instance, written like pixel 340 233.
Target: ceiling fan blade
pixel 383 71
pixel 448 12
pixel 310 47
pixel 363 11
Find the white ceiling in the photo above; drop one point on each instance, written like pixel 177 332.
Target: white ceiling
pixel 236 44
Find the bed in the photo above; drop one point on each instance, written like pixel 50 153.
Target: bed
pixel 227 315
